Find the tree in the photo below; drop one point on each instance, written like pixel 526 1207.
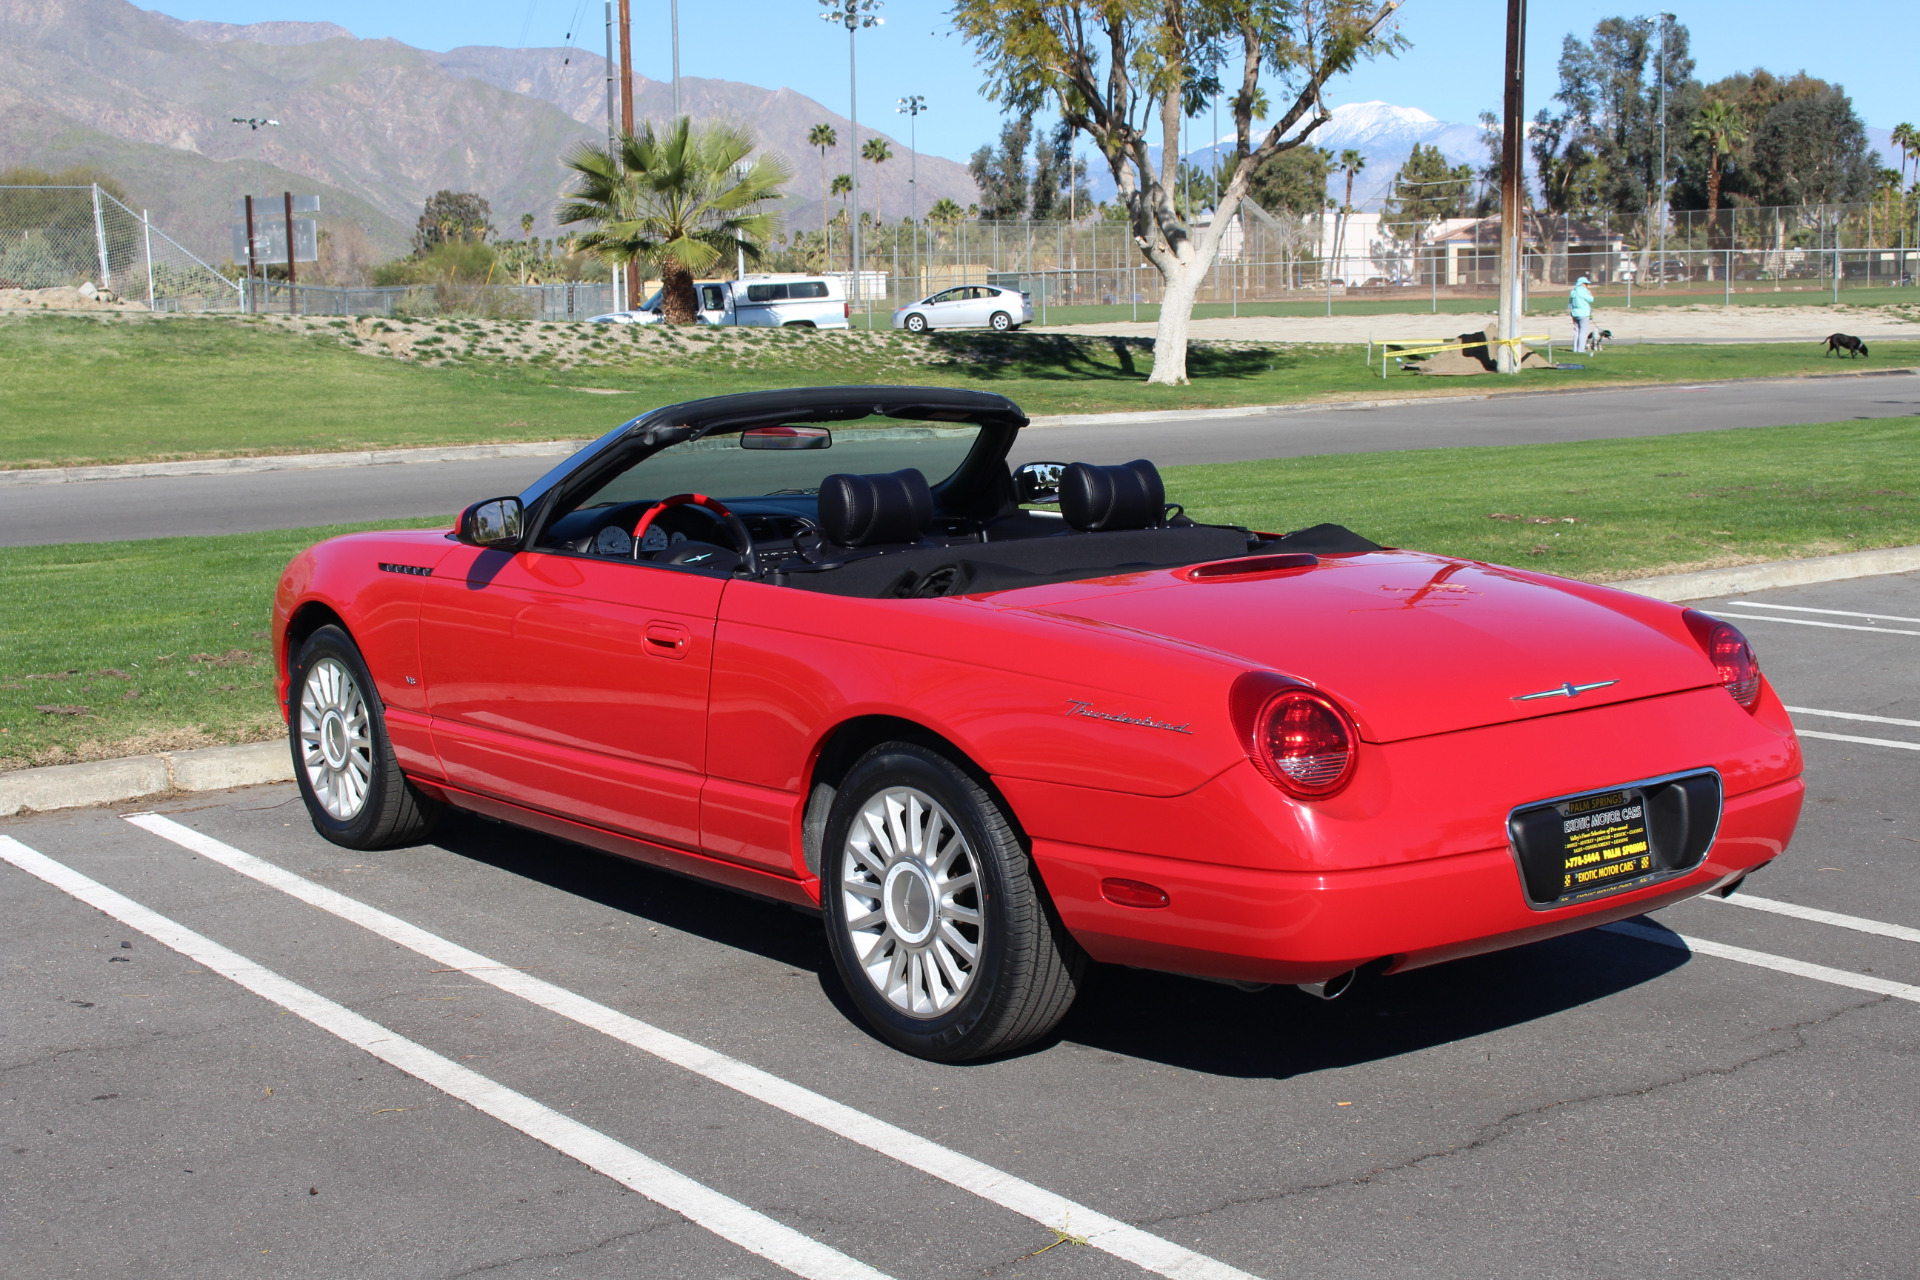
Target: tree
pixel 1122 71
pixel 1001 174
pixel 1295 182
pixel 1351 163
pixel 451 215
pixel 876 150
pixel 1907 138
pixel 823 137
pixel 842 187
pixel 1427 189
pixel 682 201
pixel 945 211
pixel 1722 132
pixel 1812 149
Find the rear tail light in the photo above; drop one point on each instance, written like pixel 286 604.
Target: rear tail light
pixel 1299 739
pixel 846 311
pixel 1731 655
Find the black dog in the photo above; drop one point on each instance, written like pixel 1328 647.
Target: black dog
pixel 1848 343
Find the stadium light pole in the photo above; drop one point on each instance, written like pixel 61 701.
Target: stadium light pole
pixel 1666 27
pixel 254 125
pixel 911 106
pixel 674 21
pixel 854 15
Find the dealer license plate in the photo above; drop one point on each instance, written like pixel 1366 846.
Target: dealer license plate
pixel 1603 840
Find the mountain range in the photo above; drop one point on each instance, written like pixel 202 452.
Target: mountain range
pixel 371 126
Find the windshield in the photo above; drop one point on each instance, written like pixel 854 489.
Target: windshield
pixel 719 466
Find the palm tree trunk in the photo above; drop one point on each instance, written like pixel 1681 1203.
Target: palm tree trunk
pixel 678 302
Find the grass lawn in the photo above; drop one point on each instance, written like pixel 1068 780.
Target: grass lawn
pixel 84 390
pixel 110 648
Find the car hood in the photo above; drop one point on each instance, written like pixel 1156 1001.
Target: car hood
pixel 1411 644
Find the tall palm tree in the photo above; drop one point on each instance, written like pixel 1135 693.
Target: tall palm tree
pixel 1907 138
pixel 1720 129
pixel 825 139
pixel 876 150
pixel 679 200
pixel 1351 163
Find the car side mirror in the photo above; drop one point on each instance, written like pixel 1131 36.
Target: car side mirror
pixel 1038 482
pixel 493 523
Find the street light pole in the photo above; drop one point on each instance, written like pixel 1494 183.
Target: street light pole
pixel 1666 20
pixel 674 16
pixel 853 14
pixel 254 125
pixel 911 106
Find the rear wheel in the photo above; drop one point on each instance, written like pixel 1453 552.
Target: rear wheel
pixel 798 324
pixel 1001 322
pixel 916 323
pixel 940 930
pixel 342 759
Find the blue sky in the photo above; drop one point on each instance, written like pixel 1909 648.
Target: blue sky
pixel 1451 70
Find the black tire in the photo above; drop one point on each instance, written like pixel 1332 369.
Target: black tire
pixel 389 811
pixel 799 324
pixel 1001 322
pixel 1026 970
pixel 915 323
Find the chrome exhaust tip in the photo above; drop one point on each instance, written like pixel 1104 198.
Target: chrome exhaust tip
pixel 1333 988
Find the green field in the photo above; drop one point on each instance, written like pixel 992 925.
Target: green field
pixel 85 390
pixel 110 648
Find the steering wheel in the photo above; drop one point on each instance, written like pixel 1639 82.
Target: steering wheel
pixel 735 525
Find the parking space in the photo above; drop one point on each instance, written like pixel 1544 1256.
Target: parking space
pixel 556 1036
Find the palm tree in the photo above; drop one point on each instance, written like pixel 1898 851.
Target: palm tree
pixel 842 186
pixel 1907 138
pixel 1351 163
pixel 823 137
pixel 680 201
pixel 1721 130
pixel 526 226
pixel 876 150
pixel 945 210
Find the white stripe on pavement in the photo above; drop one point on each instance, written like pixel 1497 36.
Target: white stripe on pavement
pixel 699 1204
pixel 1853 715
pixel 1801 608
pixel 1798 912
pixel 1809 622
pixel 1108 1234
pixel 1765 960
pixel 1848 737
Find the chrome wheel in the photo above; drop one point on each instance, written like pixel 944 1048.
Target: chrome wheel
pixel 910 895
pixel 336 743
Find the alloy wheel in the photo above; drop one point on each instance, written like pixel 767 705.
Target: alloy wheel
pixel 910 889
pixel 336 742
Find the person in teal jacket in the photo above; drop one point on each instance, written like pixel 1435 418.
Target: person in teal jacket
pixel 1580 307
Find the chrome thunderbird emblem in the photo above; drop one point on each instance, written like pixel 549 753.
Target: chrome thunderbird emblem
pixel 1568 690
pixel 1075 707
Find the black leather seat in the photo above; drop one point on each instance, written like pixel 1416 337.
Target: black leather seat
pixel 890 509
pixel 1096 499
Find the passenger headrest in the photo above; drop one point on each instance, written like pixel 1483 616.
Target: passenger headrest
pixel 1097 499
pixel 862 511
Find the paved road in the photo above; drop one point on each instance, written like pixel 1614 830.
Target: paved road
pixel 1592 1106
pixel 108 510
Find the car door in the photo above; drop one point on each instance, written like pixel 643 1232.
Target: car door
pixel 945 310
pixel 716 304
pixel 573 685
pixel 982 302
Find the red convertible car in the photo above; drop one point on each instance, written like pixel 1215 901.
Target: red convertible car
pixel 827 647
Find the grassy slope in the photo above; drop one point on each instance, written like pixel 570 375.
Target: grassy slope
pixel 76 633
pixel 80 390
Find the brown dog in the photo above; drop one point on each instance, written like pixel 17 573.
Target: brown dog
pixel 1846 342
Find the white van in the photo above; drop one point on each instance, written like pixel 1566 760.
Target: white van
pixel 758 301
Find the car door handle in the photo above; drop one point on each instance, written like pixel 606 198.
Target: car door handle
pixel 667 640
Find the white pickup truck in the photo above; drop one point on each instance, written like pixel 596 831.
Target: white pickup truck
pixel 762 301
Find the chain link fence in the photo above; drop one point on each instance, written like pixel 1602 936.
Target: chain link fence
pixel 71 236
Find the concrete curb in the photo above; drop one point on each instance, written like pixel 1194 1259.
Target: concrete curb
pixel 1708 583
pixel 70 786
pixel 289 462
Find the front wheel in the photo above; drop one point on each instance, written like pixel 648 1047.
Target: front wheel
pixel 938 925
pixel 342 759
pixel 1001 322
pixel 916 323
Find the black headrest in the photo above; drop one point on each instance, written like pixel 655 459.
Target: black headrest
pixel 1096 499
pixel 862 511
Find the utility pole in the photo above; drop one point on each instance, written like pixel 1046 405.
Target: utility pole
pixel 619 291
pixel 853 14
pixel 674 19
pixel 626 123
pixel 1507 354
pixel 1666 20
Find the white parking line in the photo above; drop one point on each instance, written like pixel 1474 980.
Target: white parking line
pixel 1809 622
pixel 1765 960
pixel 1801 608
pixel 1122 1240
pixel 699 1204
pixel 1853 715
pixel 1794 909
pixel 1848 737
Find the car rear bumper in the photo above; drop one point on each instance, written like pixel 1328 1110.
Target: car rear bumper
pixel 1257 925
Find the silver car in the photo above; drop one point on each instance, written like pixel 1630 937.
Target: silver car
pixel 967 306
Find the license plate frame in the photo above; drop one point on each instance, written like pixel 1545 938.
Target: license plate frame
pixel 1594 844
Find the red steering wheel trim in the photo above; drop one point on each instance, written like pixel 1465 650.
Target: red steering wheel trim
pixel 645 522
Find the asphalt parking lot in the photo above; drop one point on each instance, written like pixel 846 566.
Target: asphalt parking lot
pixel 295 1084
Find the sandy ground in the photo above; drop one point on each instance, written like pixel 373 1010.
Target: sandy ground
pixel 1651 324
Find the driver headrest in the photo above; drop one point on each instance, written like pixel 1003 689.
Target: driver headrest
pixel 862 511
pixel 1096 499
